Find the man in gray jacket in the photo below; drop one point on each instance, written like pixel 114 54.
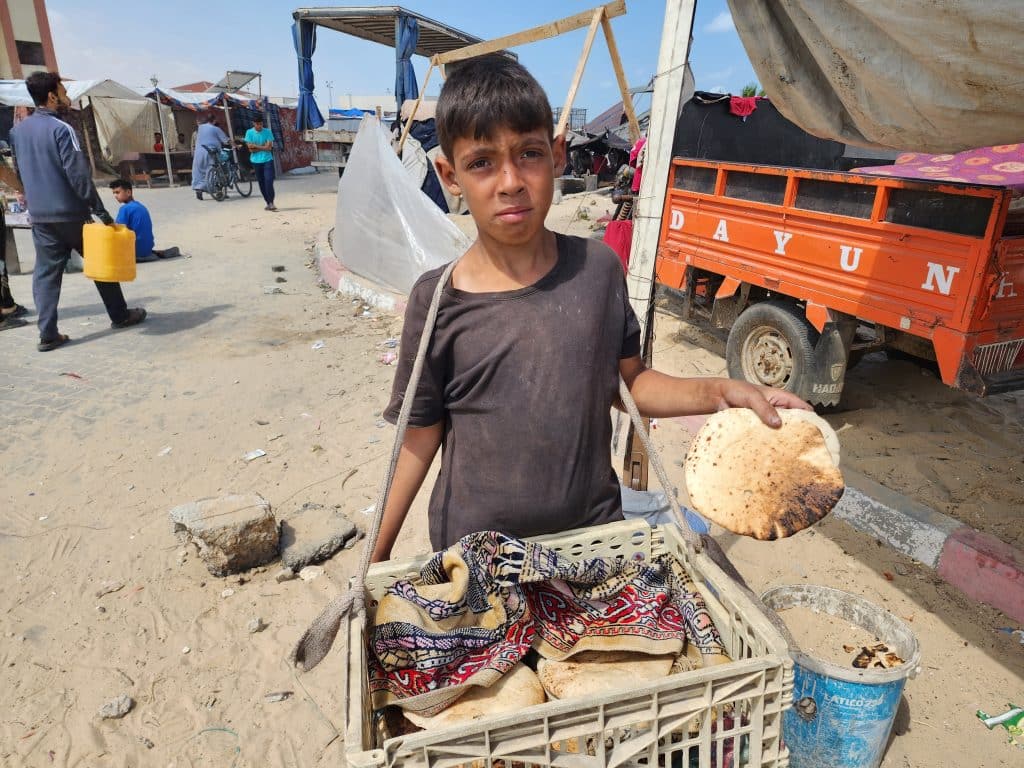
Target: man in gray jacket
pixel 61 198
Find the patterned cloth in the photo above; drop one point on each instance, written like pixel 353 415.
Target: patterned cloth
pixel 1001 166
pixel 479 606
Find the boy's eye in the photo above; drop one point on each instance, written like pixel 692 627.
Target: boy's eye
pixel 533 154
pixel 478 163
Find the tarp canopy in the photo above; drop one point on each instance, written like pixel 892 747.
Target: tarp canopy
pixel 348 114
pixel 199 102
pixel 923 75
pixel 13 93
pixel 126 126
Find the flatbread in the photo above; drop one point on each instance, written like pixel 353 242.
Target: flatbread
pixel 516 690
pixel 593 672
pixel 762 482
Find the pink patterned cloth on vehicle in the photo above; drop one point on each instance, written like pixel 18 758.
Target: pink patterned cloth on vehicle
pixel 1000 166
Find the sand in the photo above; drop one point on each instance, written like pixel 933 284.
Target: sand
pixel 222 369
pixel 825 636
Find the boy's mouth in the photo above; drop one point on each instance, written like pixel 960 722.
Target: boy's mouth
pixel 513 215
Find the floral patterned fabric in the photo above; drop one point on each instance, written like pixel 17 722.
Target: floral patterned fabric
pixel 1001 166
pixel 479 606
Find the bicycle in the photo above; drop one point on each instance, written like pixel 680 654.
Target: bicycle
pixel 225 173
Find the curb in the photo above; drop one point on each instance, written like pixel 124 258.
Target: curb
pixel 981 566
pixel 334 275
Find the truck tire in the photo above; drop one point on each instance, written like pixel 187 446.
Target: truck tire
pixel 771 343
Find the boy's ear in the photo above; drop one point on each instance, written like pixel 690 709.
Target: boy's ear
pixel 446 173
pixel 558 153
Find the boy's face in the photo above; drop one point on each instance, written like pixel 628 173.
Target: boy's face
pixel 507 180
pixel 122 195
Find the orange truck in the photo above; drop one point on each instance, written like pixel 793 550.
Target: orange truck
pixel 809 270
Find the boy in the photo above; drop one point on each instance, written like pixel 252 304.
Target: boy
pixel 532 334
pixel 135 216
pixel 260 141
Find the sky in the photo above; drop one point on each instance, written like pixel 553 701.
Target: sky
pixel 200 40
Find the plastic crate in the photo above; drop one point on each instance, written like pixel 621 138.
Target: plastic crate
pixel 674 722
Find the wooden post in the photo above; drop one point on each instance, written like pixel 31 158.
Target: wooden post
pixel 574 85
pixel 415 108
pixel 532 35
pixel 620 75
pixel 231 130
pixel 665 103
pixel 163 133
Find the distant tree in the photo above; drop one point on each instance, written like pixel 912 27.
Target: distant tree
pixel 750 89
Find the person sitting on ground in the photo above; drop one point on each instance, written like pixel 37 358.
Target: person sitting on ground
pixel 135 216
pixel 158 142
pixel 533 332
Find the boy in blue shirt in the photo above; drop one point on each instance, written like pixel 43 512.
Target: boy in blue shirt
pixel 135 216
pixel 260 141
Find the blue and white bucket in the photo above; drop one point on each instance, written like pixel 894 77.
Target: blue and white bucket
pixel 842 716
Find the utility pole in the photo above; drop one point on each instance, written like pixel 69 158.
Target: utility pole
pixel 330 95
pixel 163 133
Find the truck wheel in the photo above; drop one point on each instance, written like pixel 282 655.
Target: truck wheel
pixel 771 343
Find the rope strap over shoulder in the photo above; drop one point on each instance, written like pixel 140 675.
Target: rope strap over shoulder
pixel 314 645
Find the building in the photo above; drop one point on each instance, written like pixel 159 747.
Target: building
pixel 25 42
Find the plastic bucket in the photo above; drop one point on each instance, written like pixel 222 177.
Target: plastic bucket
pixel 842 716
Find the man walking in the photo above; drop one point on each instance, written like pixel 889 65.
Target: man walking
pixel 61 198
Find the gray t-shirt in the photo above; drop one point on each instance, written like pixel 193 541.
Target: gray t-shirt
pixel 524 381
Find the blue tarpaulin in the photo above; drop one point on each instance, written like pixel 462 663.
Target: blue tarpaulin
pixel 307 112
pixel 405 75
pixel 348 113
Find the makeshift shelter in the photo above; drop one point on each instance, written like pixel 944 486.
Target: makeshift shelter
pixel 121 120
pixel 407 32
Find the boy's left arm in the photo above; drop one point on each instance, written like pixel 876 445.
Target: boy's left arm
pixel 659 395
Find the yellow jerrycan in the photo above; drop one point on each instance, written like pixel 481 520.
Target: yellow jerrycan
pixel 109 253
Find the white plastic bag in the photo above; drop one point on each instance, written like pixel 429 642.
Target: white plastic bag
pixel 385 228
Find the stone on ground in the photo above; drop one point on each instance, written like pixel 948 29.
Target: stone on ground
pixel 313 534
pixel 117 708
pixel 233 533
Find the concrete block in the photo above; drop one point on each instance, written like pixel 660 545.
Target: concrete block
pixel 905 525
pixel 233 533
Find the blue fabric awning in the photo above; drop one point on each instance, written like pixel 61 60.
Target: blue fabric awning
pixel 308 113
pixel 348 113
pixel 405 75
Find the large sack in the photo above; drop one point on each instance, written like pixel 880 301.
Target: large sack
pixel 762 482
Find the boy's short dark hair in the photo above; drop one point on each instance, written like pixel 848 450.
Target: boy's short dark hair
pixel 487 93
pixel 40 85
pixel 258 118
pixel 121 184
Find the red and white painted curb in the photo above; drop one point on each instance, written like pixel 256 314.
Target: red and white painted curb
pixel 334 274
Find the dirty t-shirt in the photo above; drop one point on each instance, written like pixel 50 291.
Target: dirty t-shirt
pixel 524 381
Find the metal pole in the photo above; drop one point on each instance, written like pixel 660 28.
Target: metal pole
pixel 231 130
pixel 167 151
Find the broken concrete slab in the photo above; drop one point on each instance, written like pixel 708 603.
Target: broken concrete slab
pixel 233 533
pixel 313 534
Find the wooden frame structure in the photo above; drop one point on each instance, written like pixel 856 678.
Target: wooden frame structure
pixel 600 16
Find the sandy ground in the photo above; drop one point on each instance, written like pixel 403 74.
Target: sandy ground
pixel 88 484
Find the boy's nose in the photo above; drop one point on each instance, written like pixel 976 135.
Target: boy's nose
pixel 511 181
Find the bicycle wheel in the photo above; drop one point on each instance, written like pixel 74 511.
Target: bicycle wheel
pixel 243 182
pixel 216 183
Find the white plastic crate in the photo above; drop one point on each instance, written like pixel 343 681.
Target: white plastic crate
pixel 673 722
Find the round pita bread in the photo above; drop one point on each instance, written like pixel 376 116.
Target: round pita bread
pixel 599 672
pixel 762 482
pixel 515 691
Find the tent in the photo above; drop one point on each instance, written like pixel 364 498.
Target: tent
pixel 122 120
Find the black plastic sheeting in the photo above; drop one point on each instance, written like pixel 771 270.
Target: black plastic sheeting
pixel 708 131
